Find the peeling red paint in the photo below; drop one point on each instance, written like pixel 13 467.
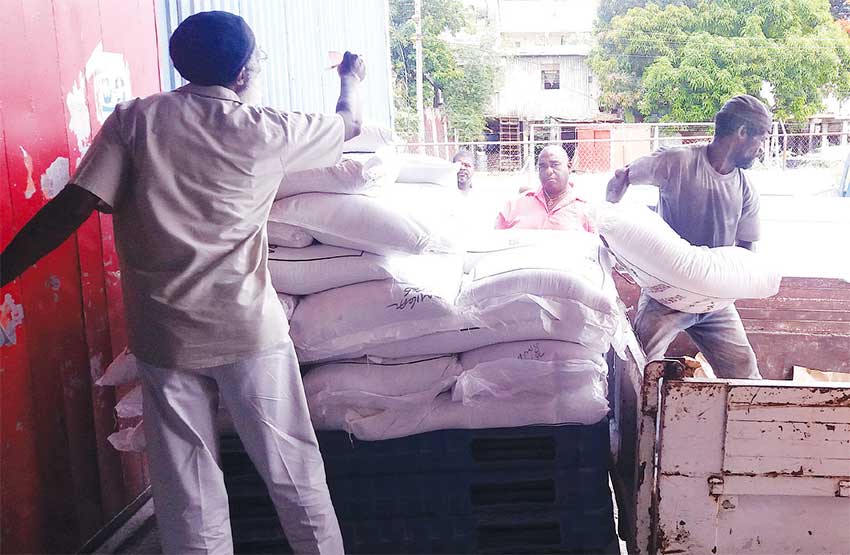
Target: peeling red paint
pixel 68 480
pixel 11 316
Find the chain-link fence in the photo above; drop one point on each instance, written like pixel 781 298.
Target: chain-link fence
pixel 790 160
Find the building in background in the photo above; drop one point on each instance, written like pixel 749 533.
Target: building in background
pixel 547 88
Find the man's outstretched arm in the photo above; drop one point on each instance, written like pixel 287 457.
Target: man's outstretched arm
pixel 351 71
pixel 48 229
pixel 617 185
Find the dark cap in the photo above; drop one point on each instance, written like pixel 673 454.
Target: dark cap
pixel 211 48
pixel 749 109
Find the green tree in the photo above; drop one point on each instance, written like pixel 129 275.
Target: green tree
pixel 465 75
pixel 680 60
pixel 840 9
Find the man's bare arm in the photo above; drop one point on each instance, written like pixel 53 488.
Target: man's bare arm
pixel 48 229
pixel 351 71
pixel 617 185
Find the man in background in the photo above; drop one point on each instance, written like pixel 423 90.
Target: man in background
pixel 554 204
pixel 467 166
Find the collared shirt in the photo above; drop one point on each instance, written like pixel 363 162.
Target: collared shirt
pixel 190 176
pixel 704 207
pixel 529 211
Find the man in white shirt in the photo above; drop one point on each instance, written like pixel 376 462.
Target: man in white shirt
pixel 190 176
pixel 707 199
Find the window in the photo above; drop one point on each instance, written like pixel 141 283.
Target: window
pixel 550 75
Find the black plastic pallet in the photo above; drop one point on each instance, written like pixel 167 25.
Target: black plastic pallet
pixel 529 532
pixel 538 489
pixel 450 451
pixel 442 494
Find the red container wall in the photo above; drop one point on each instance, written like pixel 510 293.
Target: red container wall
pixel 64 64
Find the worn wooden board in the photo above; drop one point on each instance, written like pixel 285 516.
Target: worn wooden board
pixel 693 415
pixel 777 453
pixel 806 486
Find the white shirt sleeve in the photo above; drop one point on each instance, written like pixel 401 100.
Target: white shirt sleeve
pixel 311 140
pixel 104 170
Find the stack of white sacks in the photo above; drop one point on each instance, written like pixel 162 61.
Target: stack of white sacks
pixel 407 321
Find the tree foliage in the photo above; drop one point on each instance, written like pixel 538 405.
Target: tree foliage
pixel 839 9
pixel 680 60
pixel 465 75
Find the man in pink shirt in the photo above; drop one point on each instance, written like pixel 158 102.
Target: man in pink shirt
pixel 553 205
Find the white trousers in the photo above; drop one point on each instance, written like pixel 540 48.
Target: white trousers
pixel 265 398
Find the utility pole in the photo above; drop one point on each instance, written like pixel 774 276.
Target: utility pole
pixel 420 108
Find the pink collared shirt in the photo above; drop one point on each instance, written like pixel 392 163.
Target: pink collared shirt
pixel 529 211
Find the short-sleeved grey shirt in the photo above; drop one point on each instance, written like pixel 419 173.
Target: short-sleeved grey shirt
pixel 191 175
pixel 704 207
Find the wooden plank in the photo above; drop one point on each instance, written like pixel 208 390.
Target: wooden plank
pixel 745 397
pixel 692 521
pixel 694 414
pixel 807 486
pixel 796 315
pixel 777 524
pixel 795 448
pixel 801 327
pixel 792 414
pixel 807 288
pixel 788 431
pixel 813 283
pixel 792 466
pixel 781 303
pixel 777 353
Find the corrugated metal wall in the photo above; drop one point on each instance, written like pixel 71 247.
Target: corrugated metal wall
pixel 297 35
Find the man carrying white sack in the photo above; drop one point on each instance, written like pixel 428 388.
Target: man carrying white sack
pixel 707 199
pixel 190 176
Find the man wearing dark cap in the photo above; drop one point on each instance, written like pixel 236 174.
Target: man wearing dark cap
pixel 707 199
pixel 190 176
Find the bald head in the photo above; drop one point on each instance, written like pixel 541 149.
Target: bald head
pixel 554 152
pixel 553 169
